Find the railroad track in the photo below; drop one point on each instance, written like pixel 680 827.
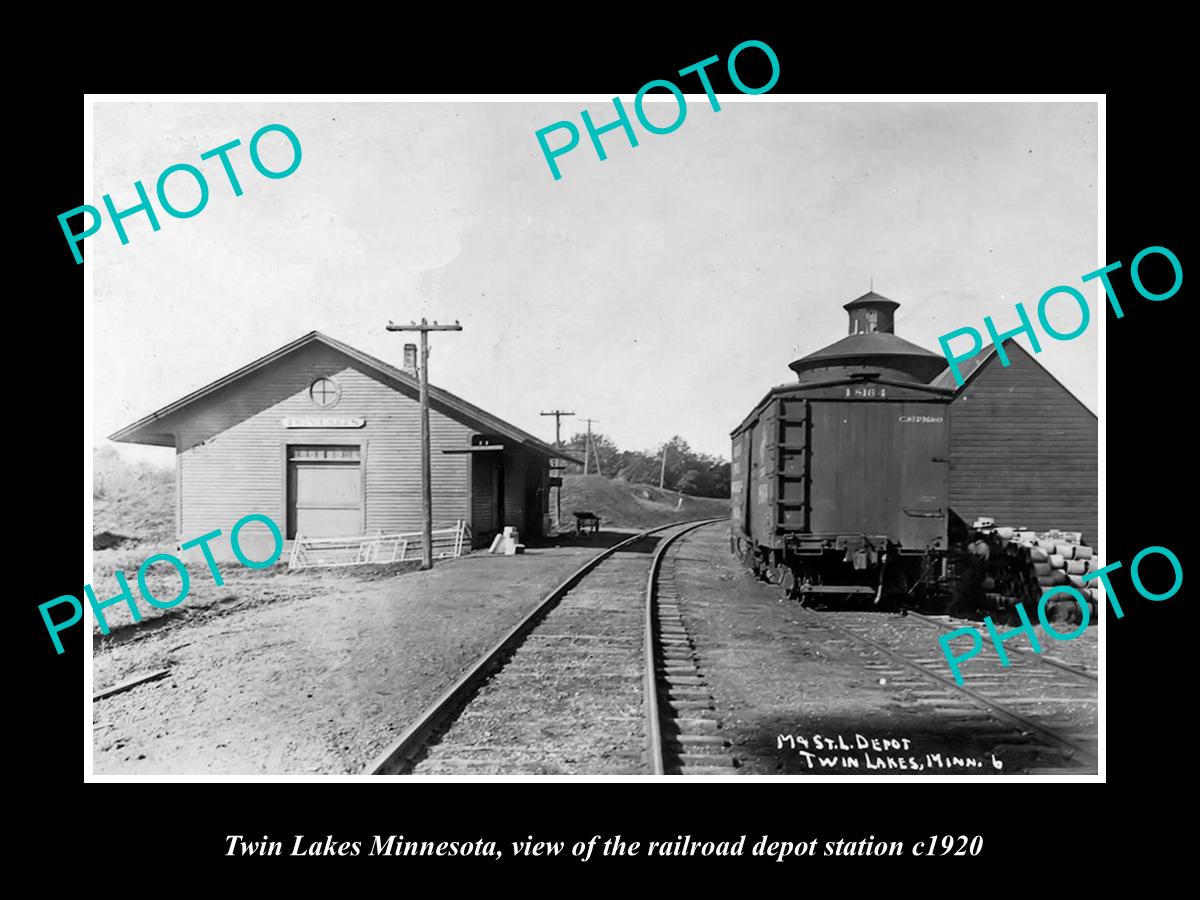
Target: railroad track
pixel 950 623
pixel 1038 714
pixel 1034 704
pixel 575 686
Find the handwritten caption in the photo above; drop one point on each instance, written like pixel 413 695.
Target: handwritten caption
pixel 860 752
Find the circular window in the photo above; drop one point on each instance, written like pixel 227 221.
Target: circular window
pixel 324 392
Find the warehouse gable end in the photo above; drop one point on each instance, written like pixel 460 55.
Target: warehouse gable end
pixel 1024 449
pixel 982 361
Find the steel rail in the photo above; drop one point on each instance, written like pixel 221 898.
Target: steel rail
pixel 1000 710
pixel 653 720
pixel 398 757
pixel 1023 654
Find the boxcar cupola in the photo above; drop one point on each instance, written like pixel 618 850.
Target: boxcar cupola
pixel 871 349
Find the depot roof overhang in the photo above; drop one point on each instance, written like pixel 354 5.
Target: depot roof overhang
pixel 156 428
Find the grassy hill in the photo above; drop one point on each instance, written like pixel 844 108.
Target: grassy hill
pixel 131 500
pixel 137 502
pixel 625 504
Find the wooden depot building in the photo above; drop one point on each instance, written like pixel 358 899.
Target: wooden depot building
pixel 326 440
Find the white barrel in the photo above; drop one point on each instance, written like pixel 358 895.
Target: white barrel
pixel 1083 551
pixel 1065 550
pixel 1005 533
pixel 1078 566
pixel 1045 581
pixel 1057 561
pixel 1037 554
pixel 1042 568
pixel 1075 581
pixel 1059 576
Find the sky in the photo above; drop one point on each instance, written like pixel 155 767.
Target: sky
pixel 660 292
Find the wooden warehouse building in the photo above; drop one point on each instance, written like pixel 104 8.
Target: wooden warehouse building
pixel 326 440
pixel 1024 450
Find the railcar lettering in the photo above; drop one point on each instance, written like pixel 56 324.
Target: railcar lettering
pixel 867 393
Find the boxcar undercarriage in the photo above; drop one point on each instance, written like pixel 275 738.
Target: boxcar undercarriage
pixel 819 570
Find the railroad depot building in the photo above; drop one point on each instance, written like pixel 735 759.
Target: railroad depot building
pixel 326 441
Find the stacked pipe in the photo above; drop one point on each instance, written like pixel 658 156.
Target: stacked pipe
pixel 1057 558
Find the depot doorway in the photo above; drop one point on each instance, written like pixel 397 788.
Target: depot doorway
pixel 324 491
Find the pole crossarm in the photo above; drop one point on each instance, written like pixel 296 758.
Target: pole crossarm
pixel 424 326
pixel 558 414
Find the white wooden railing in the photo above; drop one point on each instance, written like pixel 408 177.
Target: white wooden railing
pixel 325 552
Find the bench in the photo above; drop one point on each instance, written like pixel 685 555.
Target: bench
pixel 586 520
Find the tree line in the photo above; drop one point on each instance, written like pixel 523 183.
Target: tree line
pixel 685 470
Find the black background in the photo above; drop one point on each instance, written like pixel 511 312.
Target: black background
pixel 1026 826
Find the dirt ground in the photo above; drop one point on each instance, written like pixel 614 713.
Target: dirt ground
pixel 305 672
pixel 773 675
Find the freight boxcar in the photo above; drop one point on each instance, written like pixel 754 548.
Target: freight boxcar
pixel 840 481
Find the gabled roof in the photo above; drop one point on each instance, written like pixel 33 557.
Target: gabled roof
pixel 143 429
pixel 971 368
pixel 967 368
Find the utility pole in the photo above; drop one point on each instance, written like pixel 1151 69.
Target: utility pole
pixel 662 475
pixel 591 446
pixel 558 414
pixel 426 474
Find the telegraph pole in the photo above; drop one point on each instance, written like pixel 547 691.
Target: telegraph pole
pixel 558 414
pixel 590 445
pixel 662 475
pixel 426 474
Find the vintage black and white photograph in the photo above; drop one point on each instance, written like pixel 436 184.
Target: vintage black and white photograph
pixel 479 439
